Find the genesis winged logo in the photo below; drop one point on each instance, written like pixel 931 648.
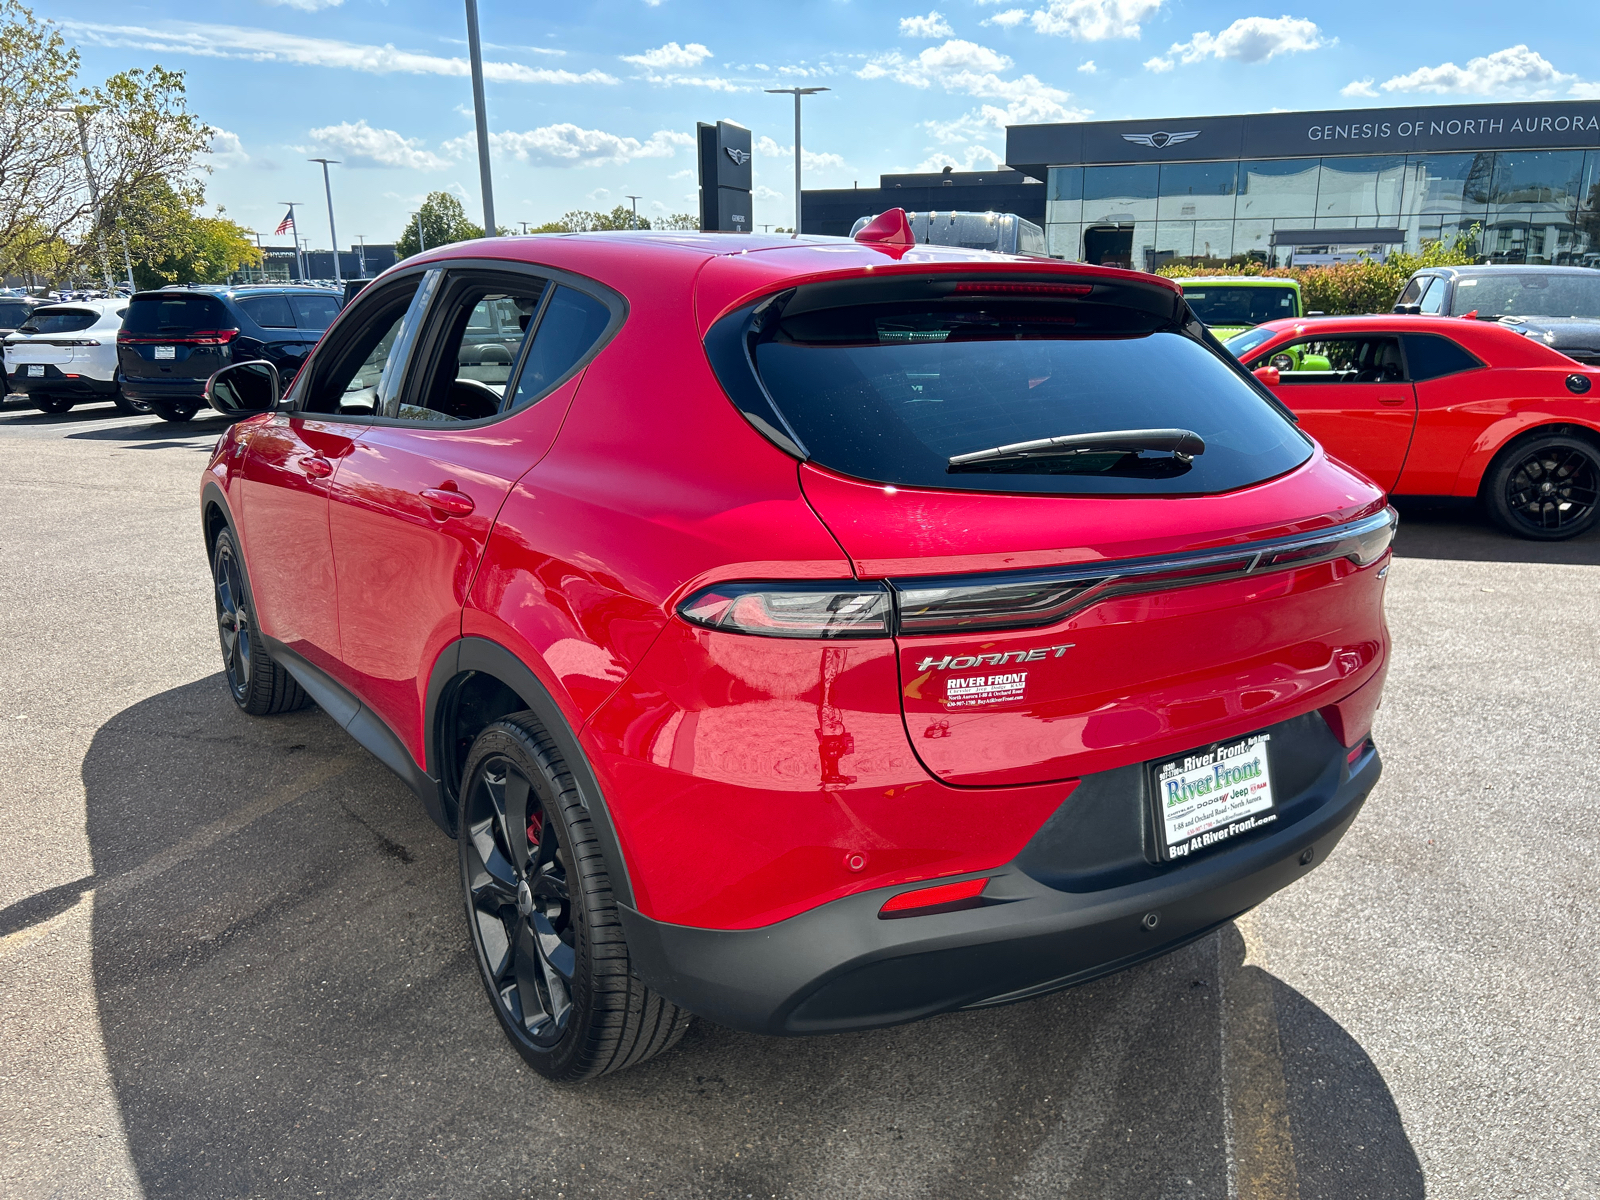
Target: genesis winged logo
pixel 740 157
pixel 1159 141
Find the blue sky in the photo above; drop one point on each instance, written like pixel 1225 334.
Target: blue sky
pixel 591 101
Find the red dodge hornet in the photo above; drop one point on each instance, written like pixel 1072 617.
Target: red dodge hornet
pixel 810 634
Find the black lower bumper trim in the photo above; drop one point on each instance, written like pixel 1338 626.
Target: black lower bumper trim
pixel 838 967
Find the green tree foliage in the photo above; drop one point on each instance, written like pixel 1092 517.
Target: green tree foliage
pixel 1365 285
pixel 583 221
pixel 440 221
pixel 170 242
pixel 139 131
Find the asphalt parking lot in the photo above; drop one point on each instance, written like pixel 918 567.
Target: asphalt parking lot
pixel 233 963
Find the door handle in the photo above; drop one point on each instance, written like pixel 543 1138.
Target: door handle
pixel 316 467
pixel 453 503
pixel 1393 400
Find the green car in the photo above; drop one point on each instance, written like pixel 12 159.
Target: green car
pixel 1231 304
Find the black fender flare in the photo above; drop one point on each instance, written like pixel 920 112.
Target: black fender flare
pixel 477 655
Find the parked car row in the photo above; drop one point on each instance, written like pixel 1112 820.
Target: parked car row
pixel 154 351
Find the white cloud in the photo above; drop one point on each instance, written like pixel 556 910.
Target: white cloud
pixel 670 55
pixel 305 5
pixel 763 192
pixel 1087 68
pixel 1248 40
pixel 812 159
pixel 600 194
pixel 715 83
pixel 931 26
pixel 265 45
pixel 971 158
pixel 1007 19
pixel 1358 87
pixel 1514 71
pixel 362 145
pixel 226 150
pixel 684 174
pixel 568 145
pixel 1094 20
pixel 966 67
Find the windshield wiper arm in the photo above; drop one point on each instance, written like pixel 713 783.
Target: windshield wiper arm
pixel 1182 444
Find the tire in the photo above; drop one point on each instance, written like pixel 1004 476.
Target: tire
pixel 174 410
pixel 133 408
pixel 542 918
pixel 257 684
pixel 50 404
pixel 1546 488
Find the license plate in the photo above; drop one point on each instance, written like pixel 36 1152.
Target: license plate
pixel 166 352
pixel 1208 797
pixel 35 372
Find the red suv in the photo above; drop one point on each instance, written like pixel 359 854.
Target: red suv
pixel 808 634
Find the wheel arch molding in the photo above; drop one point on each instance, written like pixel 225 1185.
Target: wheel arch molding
pixel 475 682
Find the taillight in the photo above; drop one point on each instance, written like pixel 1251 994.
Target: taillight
pixel 195 337
pixel 945 897
pixel 990 288
pixel 75 343
pixel 842 609
pixel 1014 599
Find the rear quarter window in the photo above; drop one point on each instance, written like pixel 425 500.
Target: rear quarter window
pixel 1429 356
pixel 315 313
pixel 269 312
pixel 891 392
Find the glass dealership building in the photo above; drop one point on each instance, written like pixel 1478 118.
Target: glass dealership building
pixel 1317 187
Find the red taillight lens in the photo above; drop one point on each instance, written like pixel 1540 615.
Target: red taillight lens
pixel 1024 289
pixel 195 337
pixel 919 902
pixel 826 609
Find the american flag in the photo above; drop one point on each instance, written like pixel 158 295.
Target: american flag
pixel 286 224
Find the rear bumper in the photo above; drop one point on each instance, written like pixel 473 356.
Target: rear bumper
pixel 58 383
pixel 840 967
pixel 184 390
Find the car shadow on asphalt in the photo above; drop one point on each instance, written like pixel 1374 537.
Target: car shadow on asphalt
pixel 289 1007
pixel 1453 528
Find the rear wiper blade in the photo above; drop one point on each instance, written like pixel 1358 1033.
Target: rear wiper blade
pixel 1182 444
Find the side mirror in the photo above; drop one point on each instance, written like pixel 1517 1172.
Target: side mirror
pixel 247 387
pixel 1268 376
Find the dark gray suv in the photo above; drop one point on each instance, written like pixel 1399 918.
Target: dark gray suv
pixel 1559 306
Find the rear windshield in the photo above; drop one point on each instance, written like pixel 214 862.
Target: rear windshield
pixel 891 392
pixel 1531 294
pixel 1220 305
pixel 59 320
pixel 174 314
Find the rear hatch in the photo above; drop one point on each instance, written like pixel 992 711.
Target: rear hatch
pixel 47 335
pixel 174 336
pixel 1080 606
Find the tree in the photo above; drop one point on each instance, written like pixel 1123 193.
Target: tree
pixel 678 221
pixel 138 128
pixel 169 241
pixel 441 220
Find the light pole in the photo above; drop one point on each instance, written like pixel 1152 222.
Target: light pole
pixel 362 238
pixel 480 112
pixel 635 200
pixel 78 113
pixel 294 238
pixel 797 92
pixel 422 238
pixel 327 189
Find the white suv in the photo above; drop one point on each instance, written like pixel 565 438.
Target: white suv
pixel 66 353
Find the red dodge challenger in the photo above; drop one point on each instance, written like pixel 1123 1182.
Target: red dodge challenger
pixel 1442 406
pixel 810 634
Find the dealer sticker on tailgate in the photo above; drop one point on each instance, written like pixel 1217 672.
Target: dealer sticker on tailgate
pixel 1210 796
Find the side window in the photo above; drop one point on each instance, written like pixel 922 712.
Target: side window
pixel 1430 356
pixel 478 339
pixel 314 312
pixel 1433 299
pixel 571 323
pixel 12 315
pixel 269 312
pixel 1337 360
pixel 1413 291
pixel 364 365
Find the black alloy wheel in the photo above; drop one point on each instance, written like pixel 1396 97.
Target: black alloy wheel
pixel 52 404
pixel 1547 488
pixel 131 407
pixel 257 684
pixel 544 925
pixel 174 410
